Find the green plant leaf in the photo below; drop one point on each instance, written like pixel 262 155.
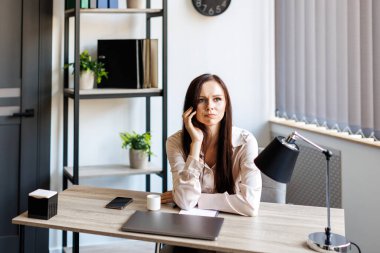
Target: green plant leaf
pixel 136 141
pixel 87 64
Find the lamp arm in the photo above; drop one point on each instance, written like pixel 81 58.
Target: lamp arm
pixel 293 137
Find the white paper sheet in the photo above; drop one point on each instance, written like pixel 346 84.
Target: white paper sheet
pixel 200 212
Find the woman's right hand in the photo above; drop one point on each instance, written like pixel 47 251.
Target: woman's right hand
pixel 167 197
pixel 195 133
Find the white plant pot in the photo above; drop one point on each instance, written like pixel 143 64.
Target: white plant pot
pixel 86 80
pixel 138 159
pixel 136 4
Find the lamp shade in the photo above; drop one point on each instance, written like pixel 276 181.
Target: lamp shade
pixel 278 159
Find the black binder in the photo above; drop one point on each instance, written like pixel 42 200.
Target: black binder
pixel 123 60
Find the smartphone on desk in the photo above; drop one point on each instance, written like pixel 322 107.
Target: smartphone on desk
pixel 119 203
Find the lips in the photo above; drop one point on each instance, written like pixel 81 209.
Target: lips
pixel 211 115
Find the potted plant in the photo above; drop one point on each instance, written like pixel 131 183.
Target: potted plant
pixel 89 70
pixel 139 148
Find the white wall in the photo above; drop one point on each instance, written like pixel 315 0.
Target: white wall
pixel 360 191
pixel 238 46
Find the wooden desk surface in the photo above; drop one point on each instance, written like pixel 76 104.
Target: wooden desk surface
pixel 278 228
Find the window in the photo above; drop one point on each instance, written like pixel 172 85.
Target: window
pixel 328 63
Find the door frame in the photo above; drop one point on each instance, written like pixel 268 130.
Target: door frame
pixel 35 132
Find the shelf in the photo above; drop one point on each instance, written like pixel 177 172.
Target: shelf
pixel 75 16
pixel 114 93
pixel 71 91
pixel 111 170
pixel 150 12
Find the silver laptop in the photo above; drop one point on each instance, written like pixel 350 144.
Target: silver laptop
pixel 173 224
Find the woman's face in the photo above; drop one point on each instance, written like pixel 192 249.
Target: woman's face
pixel 211 104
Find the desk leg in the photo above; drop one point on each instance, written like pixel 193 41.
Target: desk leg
pixel 157 248
pixel 147 183
pixel 75 242
pixel 22 238
pixel 64 233
pixel 64 240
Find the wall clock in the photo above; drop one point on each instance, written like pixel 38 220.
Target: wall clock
pixel 211 7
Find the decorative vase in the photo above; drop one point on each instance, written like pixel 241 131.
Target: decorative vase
pixel 138 159
pixel 86 80
pixel 136 4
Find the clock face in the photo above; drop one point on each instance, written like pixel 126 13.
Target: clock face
pixel 211 7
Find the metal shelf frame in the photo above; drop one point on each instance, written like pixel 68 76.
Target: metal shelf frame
pixel 76 95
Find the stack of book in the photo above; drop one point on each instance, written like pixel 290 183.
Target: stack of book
pixel 100 4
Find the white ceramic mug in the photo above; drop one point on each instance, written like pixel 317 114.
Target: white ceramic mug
pixel 153 202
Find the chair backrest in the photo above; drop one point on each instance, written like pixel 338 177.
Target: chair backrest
pixel 272 191
pixel 308 184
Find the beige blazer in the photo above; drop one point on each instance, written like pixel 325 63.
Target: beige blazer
pixel 193 181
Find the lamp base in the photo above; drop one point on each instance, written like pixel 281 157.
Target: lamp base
pixel 338 243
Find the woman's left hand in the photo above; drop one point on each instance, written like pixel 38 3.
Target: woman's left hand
pixel 167 197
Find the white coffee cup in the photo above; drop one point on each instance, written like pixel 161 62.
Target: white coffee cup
pixel 153 202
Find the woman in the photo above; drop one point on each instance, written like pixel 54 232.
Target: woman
pixel 211 161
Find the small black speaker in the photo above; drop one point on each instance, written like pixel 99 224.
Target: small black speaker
pixel 123 60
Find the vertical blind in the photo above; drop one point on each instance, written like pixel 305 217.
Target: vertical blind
pixel 328 63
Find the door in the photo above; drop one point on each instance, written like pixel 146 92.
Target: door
pixel 25 81
pixel 10 102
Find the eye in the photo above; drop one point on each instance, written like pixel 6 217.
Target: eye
pixel 217 99
pixel 201 100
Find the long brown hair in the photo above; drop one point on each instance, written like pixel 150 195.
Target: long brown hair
pixel 223 177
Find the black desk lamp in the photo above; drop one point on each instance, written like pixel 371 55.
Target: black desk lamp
pixel 277 161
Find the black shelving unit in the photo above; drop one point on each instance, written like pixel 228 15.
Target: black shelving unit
pixel 71 174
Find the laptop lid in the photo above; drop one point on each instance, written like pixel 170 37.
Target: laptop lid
pixel 173 224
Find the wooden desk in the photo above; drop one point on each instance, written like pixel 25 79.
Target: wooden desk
pixel 278 228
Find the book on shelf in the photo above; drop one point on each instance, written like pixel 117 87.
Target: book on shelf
pixel 146 64
pixel 70 4
pixel 93 4
pixel 150 63
pixel 123 61
pixel 122 4
pixel 131 64
pixel 102 4
pixel 84 4
pixel 113 4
